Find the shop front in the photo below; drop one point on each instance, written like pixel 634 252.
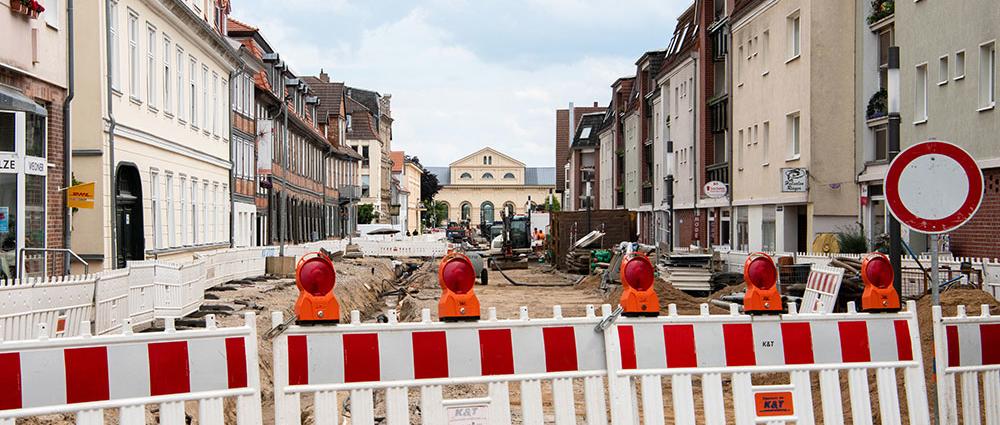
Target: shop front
pixel 23 194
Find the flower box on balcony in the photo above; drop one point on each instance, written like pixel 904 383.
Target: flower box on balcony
pixel 881 9
pixel 29 8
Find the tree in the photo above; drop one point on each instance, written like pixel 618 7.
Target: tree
pixel 429 186
pixel 435 212
pixel 552 204
pixel 366 214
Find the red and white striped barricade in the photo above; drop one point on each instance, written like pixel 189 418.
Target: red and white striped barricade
pixel 822 288
pixel 969 347
pixel 87 374
pixel 395 357
pixel 736 347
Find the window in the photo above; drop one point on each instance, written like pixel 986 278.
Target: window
pixel 881 142
pixel 585 133
pixel 885 40
pixel 487 176
pixel 959 65
pixel 215 104
pixel 51 13
pixel 766 142
pixel 113 29
pixel 169 201
pixel 920 97
pixel 943 75
pixel 193 91
pixel 204 98
pixel 194 212
pixel 348 122
pixel 987 75
pixel 154 203
pixel 764 49
pixel 465 176
pixel 204 212
pixel 739 149
pixel 794 36
pixel 167 77
pixel 755 134
pixel 133 54
pixel 180 83
pixel 151 66
pixel 221 108
pixel 184 211
pixel 739 67
pixel 793 123
pixel 365 179
pixel 509 176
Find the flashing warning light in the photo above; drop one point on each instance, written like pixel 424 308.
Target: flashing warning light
pixel 879 294
pixel 315 277
pixel 761 277
pixel 638 297
pixel 457 275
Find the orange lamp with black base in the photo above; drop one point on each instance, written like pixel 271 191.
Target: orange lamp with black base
pixel 457 276
pixel 761 277
pixel 638 297
pixel 315 277
pixel 879 294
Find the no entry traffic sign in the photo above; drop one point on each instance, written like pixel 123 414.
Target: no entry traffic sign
pixel 933 187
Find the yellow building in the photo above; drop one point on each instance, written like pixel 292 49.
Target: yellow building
pixel 476 187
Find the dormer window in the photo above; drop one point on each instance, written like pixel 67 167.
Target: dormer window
pixel 348 122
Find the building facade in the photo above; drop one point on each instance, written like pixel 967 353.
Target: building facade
pixel 476 187
pixel 33 94
pixel 407 173
pixel 584 176
pixel 789 151
pixel 243 113
pixel 567 121
pixel 152 129
pixel 948 91
pixel 369 132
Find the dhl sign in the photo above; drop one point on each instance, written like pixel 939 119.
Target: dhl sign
pixel 80 196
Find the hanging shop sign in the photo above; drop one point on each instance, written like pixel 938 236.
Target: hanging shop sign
pixel 715 189
pixel 794 179
pixel 80 196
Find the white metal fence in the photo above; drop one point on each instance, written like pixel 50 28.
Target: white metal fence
pixel 86 375
pixel 61 303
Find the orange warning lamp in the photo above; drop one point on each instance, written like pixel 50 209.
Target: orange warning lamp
pixel 315 277
pixel 761 277
pixel 638 297
pixel 456 275
pixel 879 294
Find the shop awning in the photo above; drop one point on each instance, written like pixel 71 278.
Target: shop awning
pixel 13 100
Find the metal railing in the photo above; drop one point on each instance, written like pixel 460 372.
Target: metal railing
pixel 718 172
pixel 21 259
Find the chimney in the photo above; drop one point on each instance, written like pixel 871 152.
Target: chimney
pixel 572 123
pixel 595 103
pixel 323 76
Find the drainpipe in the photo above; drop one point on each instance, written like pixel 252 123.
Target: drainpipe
pixel 694 133
pixel 232 146
pixel 67 138
pixel 112 215
pixel 729 137
pixel 283 203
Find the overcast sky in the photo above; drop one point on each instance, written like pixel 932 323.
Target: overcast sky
pixel 464 74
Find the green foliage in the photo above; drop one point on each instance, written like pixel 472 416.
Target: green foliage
pixel 881 9
pixel 366 214
pixel 552 204
pixel 852 239
pixel 878 105
pixel 434 213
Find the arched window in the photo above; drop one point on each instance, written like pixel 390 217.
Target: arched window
pixel 444 208
pixel 509 176
pixel 466 211
pixel 465 176
pixel 509 206
pixel 486 212
pixel 487 176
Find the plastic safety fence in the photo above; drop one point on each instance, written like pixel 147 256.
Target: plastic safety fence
pixel 822 288
pixel 87 375
pixel 390 360
pixel 967 347
pixel 725 354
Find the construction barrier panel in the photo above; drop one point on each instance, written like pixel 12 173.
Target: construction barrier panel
pixel 86 375
pixel 393 358
pixel 967 347
pixel 735 348
pixel 822 288
pixel 60 302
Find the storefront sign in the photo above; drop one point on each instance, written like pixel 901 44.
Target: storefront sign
pixel 794 180
pixel 776 403
pixel 8 163
pixel 35 166
pixel 80 196
pixel 4 220
pixel 715 189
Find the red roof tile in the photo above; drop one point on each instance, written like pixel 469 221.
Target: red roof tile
pixel 398 159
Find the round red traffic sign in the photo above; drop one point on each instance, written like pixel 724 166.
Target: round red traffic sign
pixel 933 187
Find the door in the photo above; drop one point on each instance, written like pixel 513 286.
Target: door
pixel 129 241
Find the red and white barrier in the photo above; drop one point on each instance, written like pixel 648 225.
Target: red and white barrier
pixel 87 374
pixel 643 350
pixel 361 358
pixel 967 347
pixel 822 288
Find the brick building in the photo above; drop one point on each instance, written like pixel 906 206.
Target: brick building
pixel 33 91
pixel 567 121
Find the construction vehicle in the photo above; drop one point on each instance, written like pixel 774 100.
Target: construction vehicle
pixel 511 239
pixel 455 232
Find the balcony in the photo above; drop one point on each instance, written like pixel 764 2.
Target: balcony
pixel 718 172
pixel 349 192
pixel 881 9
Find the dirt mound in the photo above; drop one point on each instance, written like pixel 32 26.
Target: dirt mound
pixel 665 291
